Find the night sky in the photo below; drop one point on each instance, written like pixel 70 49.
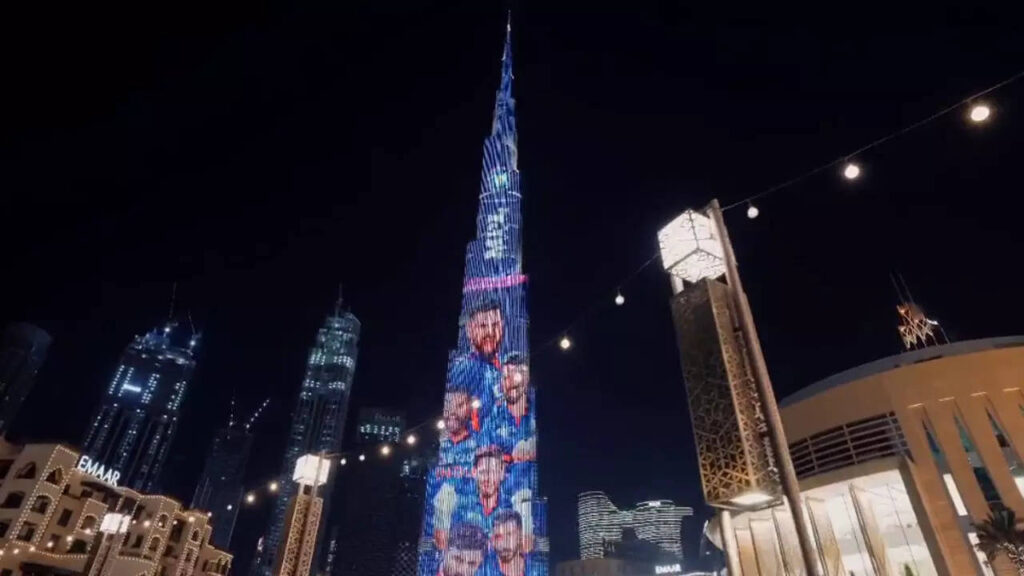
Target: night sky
pixel 258 154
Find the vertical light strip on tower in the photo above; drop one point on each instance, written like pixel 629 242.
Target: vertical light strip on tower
pixel 483 515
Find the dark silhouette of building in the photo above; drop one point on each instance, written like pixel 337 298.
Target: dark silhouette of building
pixel 22 352
pixel 318 424
pixel 133 428
pixel 220 486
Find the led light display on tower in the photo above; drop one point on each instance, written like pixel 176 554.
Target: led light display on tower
pixel 483 515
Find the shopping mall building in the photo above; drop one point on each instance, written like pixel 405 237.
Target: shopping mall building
pixel 896 460
pixel 63 514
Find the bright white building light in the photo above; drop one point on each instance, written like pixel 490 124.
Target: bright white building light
pixel 980 112
pixel 690 248
pixel 311 470
pixel 620 299
pixel 385 450
pixel 753 212
pixel 114 523
pixel 565 343
pixel 851 172
pixel 754 498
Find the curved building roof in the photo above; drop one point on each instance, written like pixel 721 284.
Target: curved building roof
pixel 899 360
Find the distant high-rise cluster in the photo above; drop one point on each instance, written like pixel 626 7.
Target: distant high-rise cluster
pixel 378 425
pixel 600 522
pixel 135 424
pixel 22 352
pixel 318 422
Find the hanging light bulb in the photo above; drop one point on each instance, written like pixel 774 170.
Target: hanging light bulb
pixel 440 424
pixel 619 299
pixel 852 171
pixel 362 457
pixel 344 461
pixel 273 487
pixel 980 113
pixel 565 343
pixel 385 450
pixel 410 439
pixel 752 212
pixel 250 498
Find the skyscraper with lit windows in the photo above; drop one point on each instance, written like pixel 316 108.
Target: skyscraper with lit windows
pixel 601 523
pixel 133 428
pixel 317 423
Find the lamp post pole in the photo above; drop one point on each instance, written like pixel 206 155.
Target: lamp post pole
pixel 773 419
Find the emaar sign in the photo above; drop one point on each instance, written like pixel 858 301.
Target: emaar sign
pixel 97 470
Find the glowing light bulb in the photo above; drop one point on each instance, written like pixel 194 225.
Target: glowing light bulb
pixel 344 461
pixel 273 486
pixel 146 524
pixel 440 424
pixel 230 507
pixel 250 498
pixel 362 457
pixel 476 403
pixel 385 450
pixel 49 544
pixel 410 439
pixel 565 343
pixel 620 299
pixel 852 171
pixel 209 514
pixel 980 112
pixel 69 539
pixel 753 212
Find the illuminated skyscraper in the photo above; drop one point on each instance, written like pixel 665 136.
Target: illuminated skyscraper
pixel 659 522
pixel 135 424
pixel 482 511
pixel 318 421
pixel 22 352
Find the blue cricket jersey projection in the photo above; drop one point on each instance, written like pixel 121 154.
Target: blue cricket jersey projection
pixel 483 515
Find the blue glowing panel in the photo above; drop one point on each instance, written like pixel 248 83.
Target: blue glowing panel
pixel 483 515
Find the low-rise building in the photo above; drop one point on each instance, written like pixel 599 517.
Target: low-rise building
pixel 53 502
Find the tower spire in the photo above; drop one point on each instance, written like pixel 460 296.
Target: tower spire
pixel 339 301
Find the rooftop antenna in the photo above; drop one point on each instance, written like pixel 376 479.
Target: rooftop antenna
pixel 231 412
pixel 174 295
pixel 256 414
pixel 916 330
pixel 337 305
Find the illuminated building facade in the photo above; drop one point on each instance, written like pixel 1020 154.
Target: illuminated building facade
pixel 220 485
pixel 482 509
pixel 659 522
pixel 133 429
pixel 54 519
pixel 22 352
pixel 897 460
pixel 318 422
pixel 380 425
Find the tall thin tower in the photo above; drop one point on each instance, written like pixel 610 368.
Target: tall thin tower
pixel 482 494
pixel 318 421
pixel 133 428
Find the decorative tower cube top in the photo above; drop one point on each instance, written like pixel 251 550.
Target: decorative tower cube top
pixel 690 247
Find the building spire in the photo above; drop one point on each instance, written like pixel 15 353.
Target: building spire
pixel 504 106
pixel 339 301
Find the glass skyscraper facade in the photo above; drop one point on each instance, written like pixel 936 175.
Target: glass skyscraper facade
pixel 135 424
pixel 482 513
pixel 22 352
pixel 318 422
pixel 220 486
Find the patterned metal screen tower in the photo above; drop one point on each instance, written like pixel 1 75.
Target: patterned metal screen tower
pixel 483 515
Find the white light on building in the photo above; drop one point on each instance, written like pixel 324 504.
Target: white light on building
pixel 114 523
pixel 311 470
pixel 690 248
